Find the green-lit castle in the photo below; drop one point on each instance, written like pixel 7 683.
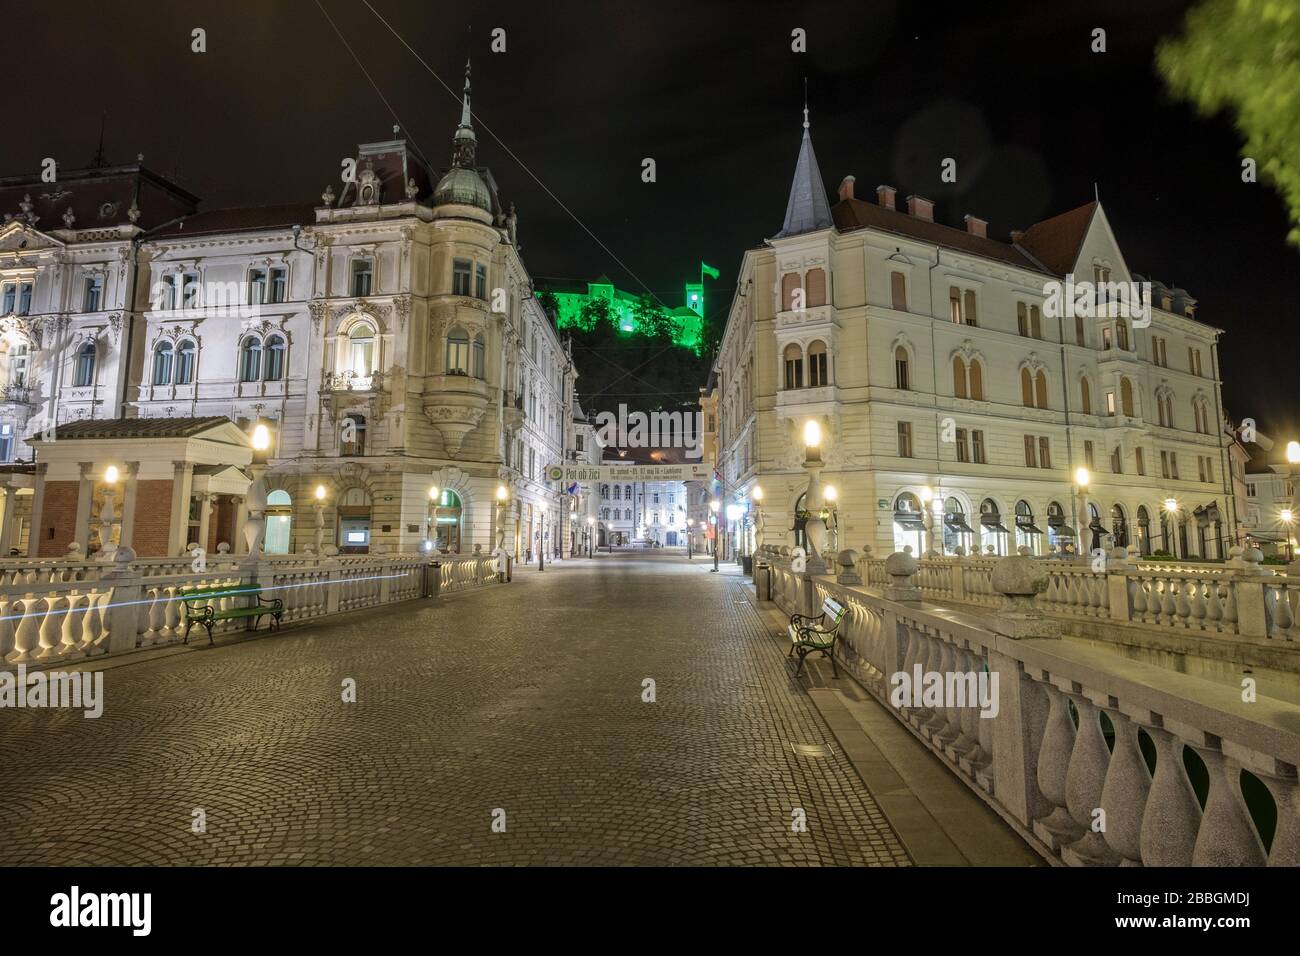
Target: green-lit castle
pixel 630 312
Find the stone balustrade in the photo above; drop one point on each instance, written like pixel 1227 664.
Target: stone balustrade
pixel 1095 760
pixel 52 611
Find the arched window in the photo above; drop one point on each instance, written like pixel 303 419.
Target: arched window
pixel 1119 525
pixel 909 523
pixel 1028 534
pixel 1144 530
pixel 977 380
pixel 361 350
pixel 1085 396
pixel 279 517
pixel 1040 389
pixel 250 360
pixel 793 366
pixel 1160 409
pixel 993 533
pixel 627 514
pixel 902 370
pixel 162 363
pixel 618 492
pixel 84 374
pixel 1169 409
pixel 816 285
pixel 185 355
pixel 604 491
pixel 954 525
pixel 352 436
pixel 817 365
pixel 479 357
pixel 457 352
pixel 1026 388
pixel 789 283
pixel 958 376
pixel 275 348
pixel 627 492
pixel 1126 396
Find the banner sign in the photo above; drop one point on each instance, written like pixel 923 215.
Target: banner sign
pixel 572 472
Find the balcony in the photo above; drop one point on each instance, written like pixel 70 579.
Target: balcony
pixel 17 394
pixel 350 381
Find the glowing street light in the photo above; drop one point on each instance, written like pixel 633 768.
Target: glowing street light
pixel 111 475
pixel 261 438
pixel 831 493
pixel 320 492
pixel 1293 452
pixel 1081 477
pixel 1171 505
pixel 434 492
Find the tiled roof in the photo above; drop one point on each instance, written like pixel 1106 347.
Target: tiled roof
pixel 239 220
pixel 852 214
pixel 1055 242
pixel 126 428
pixel 98 198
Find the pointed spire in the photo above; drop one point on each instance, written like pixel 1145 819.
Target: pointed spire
pixel 807 209
pixel 464 142
pixel 465 112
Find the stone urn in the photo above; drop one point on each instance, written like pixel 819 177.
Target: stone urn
pixel 1020 579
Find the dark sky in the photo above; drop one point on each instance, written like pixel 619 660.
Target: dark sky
pixel 713 93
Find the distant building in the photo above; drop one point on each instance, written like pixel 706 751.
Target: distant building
pixel 647 513
pixel 571 298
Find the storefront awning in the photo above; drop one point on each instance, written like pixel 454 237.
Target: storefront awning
pixel 992 522
pixel 910 520
pixel 1028 527
pixel 958 523
pixel 1063 531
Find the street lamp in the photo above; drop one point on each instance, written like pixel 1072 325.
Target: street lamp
pixel 927 519
pixel 320 518
pixel 591 535
pixel 432 517
pixel 814 529
pixel 1171 509
pixel 1081 480
pixel 757 496
pixel 1288 517
pixel 541 541
pixel 690 537
pixel 832 495
pixel 714 506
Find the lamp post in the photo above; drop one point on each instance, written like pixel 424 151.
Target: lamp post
pixel 927 519
pixel 541 541
pixel 591 535
pixel 690 537
pixel 107 515
pixel 757 497
pixel 1171 512
pixel 815 529
pixel 1293 460
pixel 432 518
pixel 715 506
pixel 502 496
pixel 1288 518
pixel 833 528
pixel 320 519
pixel 1081 480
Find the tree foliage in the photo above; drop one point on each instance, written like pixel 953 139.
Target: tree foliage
pixel 1244 56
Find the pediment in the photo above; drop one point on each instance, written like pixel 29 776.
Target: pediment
pixel 21 237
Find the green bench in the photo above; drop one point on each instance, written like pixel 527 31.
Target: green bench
pixel 809 635
pixel 201 606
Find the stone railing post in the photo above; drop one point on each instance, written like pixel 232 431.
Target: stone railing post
pixel 385 582
pixel 1023 705
pixel 847 567
pixel 1249 575
pixel 122 615
pixel 901 568
pixel 1122 561
pixel 957 574
pixel 333 585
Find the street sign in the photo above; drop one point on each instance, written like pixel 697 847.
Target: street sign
pixel 697 471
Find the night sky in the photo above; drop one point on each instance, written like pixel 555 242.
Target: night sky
pixel 713 93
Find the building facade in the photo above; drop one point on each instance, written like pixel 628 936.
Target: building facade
pixel 388 337
pixel 956 396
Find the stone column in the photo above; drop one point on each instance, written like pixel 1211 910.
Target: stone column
pixel 179 528
pixel 205 519
pixel 85 502
pixel 38 500
pixel 7 522
pixel 130 490
pixel 238 545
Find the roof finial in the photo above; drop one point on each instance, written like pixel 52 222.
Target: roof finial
pixel 805 102
pixel 99 162
pixel 1096 193
pixel 465 112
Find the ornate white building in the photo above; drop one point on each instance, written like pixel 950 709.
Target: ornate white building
pixel 942 381
pixel 387 336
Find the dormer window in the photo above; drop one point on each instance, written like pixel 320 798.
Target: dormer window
pixel 362 276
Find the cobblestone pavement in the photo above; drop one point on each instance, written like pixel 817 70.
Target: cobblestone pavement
pixel 525 698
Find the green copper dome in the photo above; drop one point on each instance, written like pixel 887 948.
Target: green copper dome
pixel 463 186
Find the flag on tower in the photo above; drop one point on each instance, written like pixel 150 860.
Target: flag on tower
pixel 708 270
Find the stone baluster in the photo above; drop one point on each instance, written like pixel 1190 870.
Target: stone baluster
pixel 1214 605
pixel 1200 607
pixel 153 617
pixel 1280 778
pixel 51 627
pixel 170 613
pixel 1085 778
pixel 1173 814
pixel 1128 784
pixel 27 635
pixel 1057 828
pixel 92 624
pixel 915 654
pixel 1168 606
pixel 1227 835
pixel 70 627
pixel 951 728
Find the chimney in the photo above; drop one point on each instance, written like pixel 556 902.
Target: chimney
pixel 1016 236
pixel 977 226
pixel 846 188
pixel 921 208
pixel 885 194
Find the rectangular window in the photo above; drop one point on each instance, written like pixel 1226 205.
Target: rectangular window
pixel 1250 491
pixel 817 369
pixel 279 291
pixel 190 290
pixel 94 294
pixel 1139 461
pixel 1110 403
pixel 1079 338
pixel 1173 465
pixel 1200 467
pixel 1117 461
pixel 480 281
pixel 898 289
pixel 954 304
pixel 256 286
pixel 24 298
pixel 1022 319
pixel 1164 464
pixel 6 443
pixel 1044 452
pixel 977 446
pixel 10 298
pixel 1031 455
pixel 962 454
pixel 1087 456
pixel 968 308
pixel 363 275
pixel 461 270
pixel 1105 339
pixel 904 439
